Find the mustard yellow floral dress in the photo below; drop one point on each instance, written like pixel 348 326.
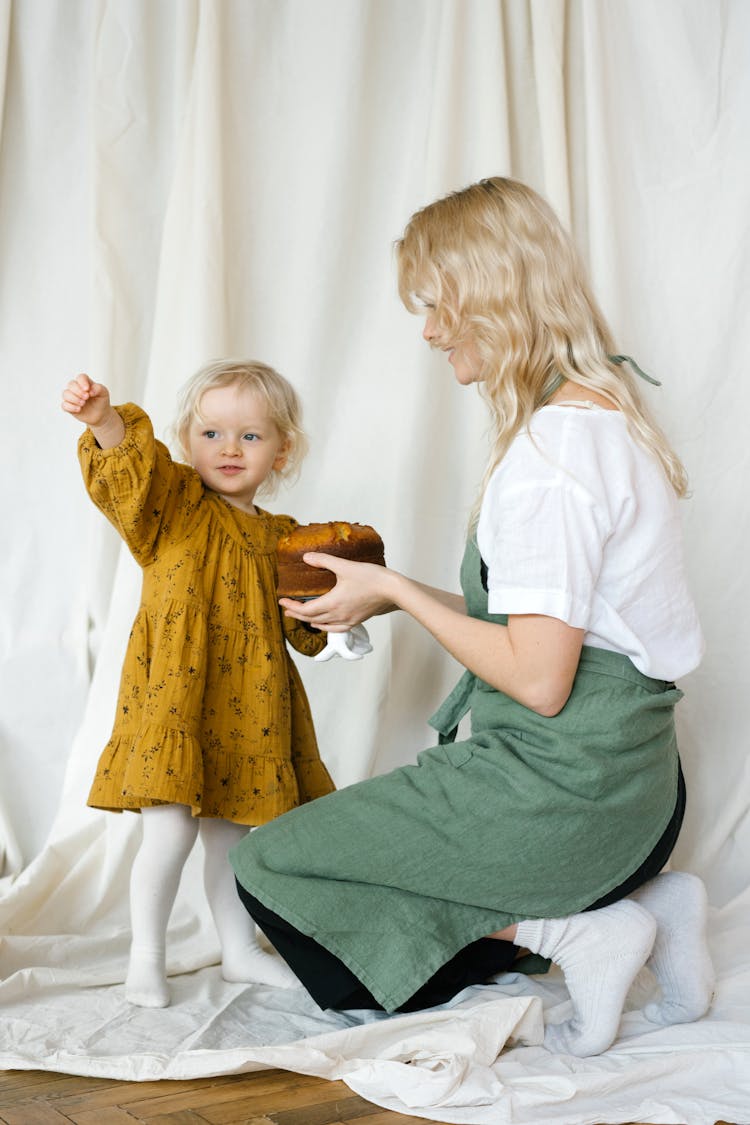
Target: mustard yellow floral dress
pixel 211 710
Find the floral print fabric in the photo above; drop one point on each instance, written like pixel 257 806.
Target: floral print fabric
pixel 211 710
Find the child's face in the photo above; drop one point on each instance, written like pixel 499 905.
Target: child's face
pixel 235 445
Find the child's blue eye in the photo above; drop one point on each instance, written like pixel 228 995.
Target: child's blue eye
pixel 251 437
pixel 209 433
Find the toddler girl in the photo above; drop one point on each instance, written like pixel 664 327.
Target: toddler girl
pixel 213 731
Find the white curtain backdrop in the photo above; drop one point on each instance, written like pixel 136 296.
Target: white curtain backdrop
pixel 188 179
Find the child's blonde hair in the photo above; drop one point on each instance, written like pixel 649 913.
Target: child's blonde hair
pixel 284 409
pixel 495 263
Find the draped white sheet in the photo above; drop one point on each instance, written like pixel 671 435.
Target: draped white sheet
pixel 197 178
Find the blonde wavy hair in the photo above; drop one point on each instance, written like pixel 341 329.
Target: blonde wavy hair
pixel 284 409
pixel 501 273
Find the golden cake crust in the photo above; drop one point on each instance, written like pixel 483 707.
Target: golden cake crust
pixel 356 541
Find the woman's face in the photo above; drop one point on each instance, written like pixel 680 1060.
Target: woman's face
pixel 464 357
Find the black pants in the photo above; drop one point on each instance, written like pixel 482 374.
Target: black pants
pixel 332 985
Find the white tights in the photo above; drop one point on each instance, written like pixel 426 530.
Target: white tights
pixel 169 833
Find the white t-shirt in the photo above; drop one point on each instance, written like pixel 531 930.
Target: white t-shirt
pixel 579 522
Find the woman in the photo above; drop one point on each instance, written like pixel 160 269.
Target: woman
pixel 574 623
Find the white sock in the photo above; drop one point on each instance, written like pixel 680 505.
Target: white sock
pixel 599 952
pixel 169 832
pixel 242 959
pixel 680 959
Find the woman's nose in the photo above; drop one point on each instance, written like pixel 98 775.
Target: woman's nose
pixel 429 331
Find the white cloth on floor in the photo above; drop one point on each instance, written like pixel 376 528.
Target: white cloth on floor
pixel 477 1060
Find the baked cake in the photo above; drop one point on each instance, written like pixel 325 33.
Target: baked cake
pixel 356 541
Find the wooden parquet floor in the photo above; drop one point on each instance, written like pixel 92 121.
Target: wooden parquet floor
pixel 265 1097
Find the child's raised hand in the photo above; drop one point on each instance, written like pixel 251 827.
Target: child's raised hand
pixel 89 401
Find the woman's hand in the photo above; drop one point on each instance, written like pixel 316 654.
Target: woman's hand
pixel 362 590
pixel 533 659
pixel 89 402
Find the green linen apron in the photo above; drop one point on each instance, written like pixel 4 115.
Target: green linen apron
pixel 527 817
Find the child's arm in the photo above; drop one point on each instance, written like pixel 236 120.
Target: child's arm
pixel 307 641
pixel 129 475
pixel 89 402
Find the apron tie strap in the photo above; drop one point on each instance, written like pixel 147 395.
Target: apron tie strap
pixel 620 359
pixel 452 710
pixel 557 380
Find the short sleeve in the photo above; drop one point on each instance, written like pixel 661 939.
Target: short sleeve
pixel 541 534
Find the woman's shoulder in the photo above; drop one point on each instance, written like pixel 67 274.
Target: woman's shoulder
pixel 586 451
pixel 583 418
pixel 558 438
pixel 563 437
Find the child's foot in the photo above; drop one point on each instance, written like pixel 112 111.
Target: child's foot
pixel 599 952
pixel 680 959
pixel 146 982
pixel 255 966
